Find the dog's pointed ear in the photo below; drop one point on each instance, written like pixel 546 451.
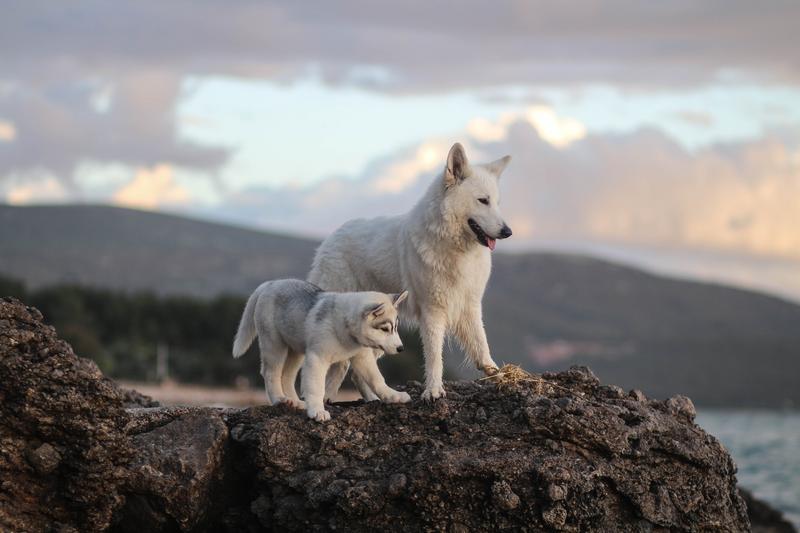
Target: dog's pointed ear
pixel 497 167
pixel 374 310
pixel 399 298
pixel 457 165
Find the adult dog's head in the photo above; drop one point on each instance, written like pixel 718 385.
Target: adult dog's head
pixel 472 197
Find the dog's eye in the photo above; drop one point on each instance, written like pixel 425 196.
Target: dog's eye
pixel 484 201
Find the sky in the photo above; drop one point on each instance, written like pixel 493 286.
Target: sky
pixel 661 134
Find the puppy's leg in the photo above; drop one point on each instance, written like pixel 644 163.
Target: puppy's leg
pixel 471 335
pixel 312 385
pixel 365 366
pixel 273 357
pixel 432 330
pixel 290 369
pixel 366 392
pixel 333 382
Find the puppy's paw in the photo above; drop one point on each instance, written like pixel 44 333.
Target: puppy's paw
pixel 320 416
pixel 433 392
pixel 297 404
pixel 397 397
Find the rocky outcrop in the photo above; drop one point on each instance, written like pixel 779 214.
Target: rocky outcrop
pixel 556 452
pixel 763 518
pixel 63 446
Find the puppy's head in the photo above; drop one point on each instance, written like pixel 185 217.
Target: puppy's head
pixel 379 322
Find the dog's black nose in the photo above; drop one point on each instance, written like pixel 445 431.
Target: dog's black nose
pixel 505 233
pixel 400 348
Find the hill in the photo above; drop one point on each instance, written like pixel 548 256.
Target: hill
pixel 136 250
pixel 716 344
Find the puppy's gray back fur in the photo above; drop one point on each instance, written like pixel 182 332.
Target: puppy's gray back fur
pixel 279 311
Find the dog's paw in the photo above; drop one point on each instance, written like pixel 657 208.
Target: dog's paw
pixel 320 416
pixel 297 404
pixel 490 370
pixel 397 397
pixel 433 393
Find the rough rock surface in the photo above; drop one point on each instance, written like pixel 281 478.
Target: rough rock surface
pixel 562 453
pixel 62 443
pixel 567 454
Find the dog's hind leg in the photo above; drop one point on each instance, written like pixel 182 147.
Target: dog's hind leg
pixel 366 371
pixel 366 392
pixel 273 358
pixel 333 381
pixel 292 366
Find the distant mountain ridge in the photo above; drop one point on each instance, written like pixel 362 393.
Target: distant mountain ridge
pixel 137 250
pixel 719 345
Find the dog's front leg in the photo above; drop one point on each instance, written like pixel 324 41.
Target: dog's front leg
pixel 366 371
pixel 471 335
pixel 312 385
pixel 432 330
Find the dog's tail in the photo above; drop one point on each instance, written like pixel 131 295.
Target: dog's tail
pixel 247 327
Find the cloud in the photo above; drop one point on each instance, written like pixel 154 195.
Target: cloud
pixel 8 132
pixel 95 82
pixel 637 189
pixel 416 45
pixel 62 124
pixel 38 190
pixel 152 188
pixel 558 131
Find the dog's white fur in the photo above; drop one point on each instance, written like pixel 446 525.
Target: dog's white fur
pixel 434 253
pixel 294 318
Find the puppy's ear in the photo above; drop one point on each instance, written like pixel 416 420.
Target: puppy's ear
pixel 457 166
pixel 497 167
pixel 374 311
pixel 397 299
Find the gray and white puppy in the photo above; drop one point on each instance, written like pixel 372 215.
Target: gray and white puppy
pixel 295 319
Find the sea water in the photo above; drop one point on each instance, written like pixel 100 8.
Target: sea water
pixel 766 447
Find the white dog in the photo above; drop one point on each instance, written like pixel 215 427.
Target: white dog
pixel 294 317
pixel 440 251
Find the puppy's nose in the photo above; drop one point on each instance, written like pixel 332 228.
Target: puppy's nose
pixel 505 232
pixel 400 348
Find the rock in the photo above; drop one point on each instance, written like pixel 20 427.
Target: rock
pixel 561 453
pixel 556 493
pixel 638 395
pixel 177 465
pixel 763 518
pixel 614 464
pixel 503 496
pixel 682 406
pixel 72 477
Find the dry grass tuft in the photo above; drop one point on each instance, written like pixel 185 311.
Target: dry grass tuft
pixel 510 376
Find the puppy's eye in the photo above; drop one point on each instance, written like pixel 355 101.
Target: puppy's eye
pixel 386 329
pixel 484 201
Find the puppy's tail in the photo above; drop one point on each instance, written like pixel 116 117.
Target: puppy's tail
pixel 247 327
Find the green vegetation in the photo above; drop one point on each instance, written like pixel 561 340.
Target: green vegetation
pixel 122 330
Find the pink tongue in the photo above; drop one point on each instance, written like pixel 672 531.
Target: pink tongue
pixel 492 243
